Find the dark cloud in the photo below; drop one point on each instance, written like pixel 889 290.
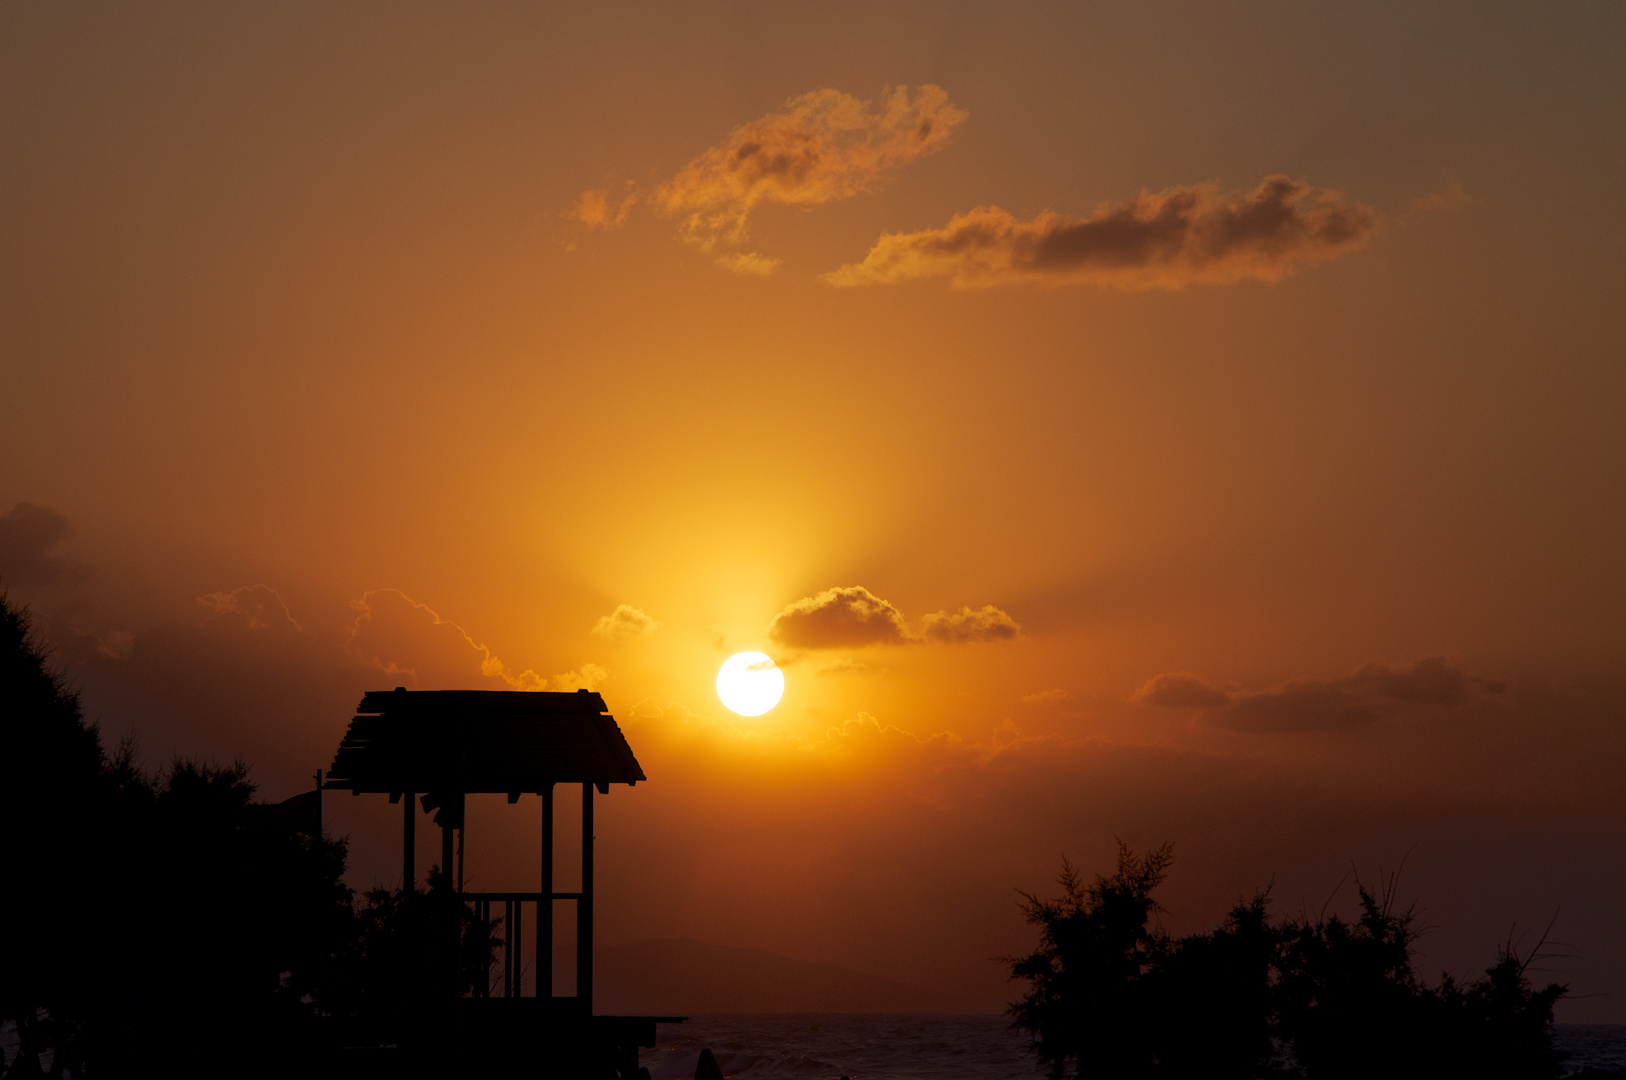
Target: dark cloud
pixel 1312 705
pixel 839 617
pixel 1321 704
pixel 27 534
pixel 1364 697
pixel 1164 240
pixel 1180 690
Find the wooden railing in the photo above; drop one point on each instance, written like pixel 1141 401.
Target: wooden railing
pixel 510 907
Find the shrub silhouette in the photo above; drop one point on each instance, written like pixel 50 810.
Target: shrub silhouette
pixel 1112 996
pixel 1089 1004
pixel 1213 993
pixel 391 973
pixel 154 924
pixel 169 924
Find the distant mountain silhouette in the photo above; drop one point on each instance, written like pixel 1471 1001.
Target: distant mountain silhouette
pixel 684 976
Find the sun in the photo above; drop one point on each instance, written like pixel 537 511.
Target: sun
pixel 749 684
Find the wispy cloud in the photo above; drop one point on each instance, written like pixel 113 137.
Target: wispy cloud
pixel 1451 196
pixel 749 262
pixel 602 210
pixel 259 607
pixel 1044 697
pixel 1163 240
pixel 852 616
pixel 819 147
pixel 409 641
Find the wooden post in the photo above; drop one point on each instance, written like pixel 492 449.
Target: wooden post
pixel 454 919
pixel 544 909
pixel 447 852
pixel 584 908
pixel 409 846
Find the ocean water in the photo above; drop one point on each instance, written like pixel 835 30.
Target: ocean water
pixel 826 1047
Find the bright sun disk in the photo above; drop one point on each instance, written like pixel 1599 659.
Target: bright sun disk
pixel 750 684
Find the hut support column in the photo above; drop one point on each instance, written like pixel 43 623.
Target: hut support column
pixel 544 909
pixel 584 908
pixel 454 940
pixel 409 845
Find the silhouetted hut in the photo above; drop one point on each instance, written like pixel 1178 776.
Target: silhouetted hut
pixel 443 745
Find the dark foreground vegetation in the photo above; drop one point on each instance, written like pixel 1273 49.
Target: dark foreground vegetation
pixel 170 924
pixel 1112 996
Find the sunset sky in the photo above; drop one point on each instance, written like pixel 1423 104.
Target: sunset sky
pixel 1168 422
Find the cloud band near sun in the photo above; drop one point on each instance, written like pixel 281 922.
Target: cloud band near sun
pixel 852 616
pixel 1166 240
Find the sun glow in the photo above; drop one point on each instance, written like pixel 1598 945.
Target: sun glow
pixel 749 683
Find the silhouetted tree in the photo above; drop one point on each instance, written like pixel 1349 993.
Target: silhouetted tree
pixel 1211 996
pixel 1087 1006
pixel 393 969
pixel 1349 1004
pixel 1321 999
pixel 1502 1027
pixel 163 924
pixel 55 789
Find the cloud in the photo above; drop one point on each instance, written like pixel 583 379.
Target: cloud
pixel 748 262
pixel 1167 240
pixel 986 623
pixel 587 677
pixel 1452 196
pixel 1363 698
pixel 409 641
pixel 1180 690
pixel 820 147
pixel 1043 697
pixel 852 616
pixel 624 624
pixel 257 607
pixel 27 534
pixel 839 617
pixel 848 665
pixel 593 209
pixel 863 734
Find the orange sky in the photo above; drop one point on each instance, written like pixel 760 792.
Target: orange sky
pixel 1218 410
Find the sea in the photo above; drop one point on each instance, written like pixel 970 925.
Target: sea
pixel 822 1046
pixel 819 1046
